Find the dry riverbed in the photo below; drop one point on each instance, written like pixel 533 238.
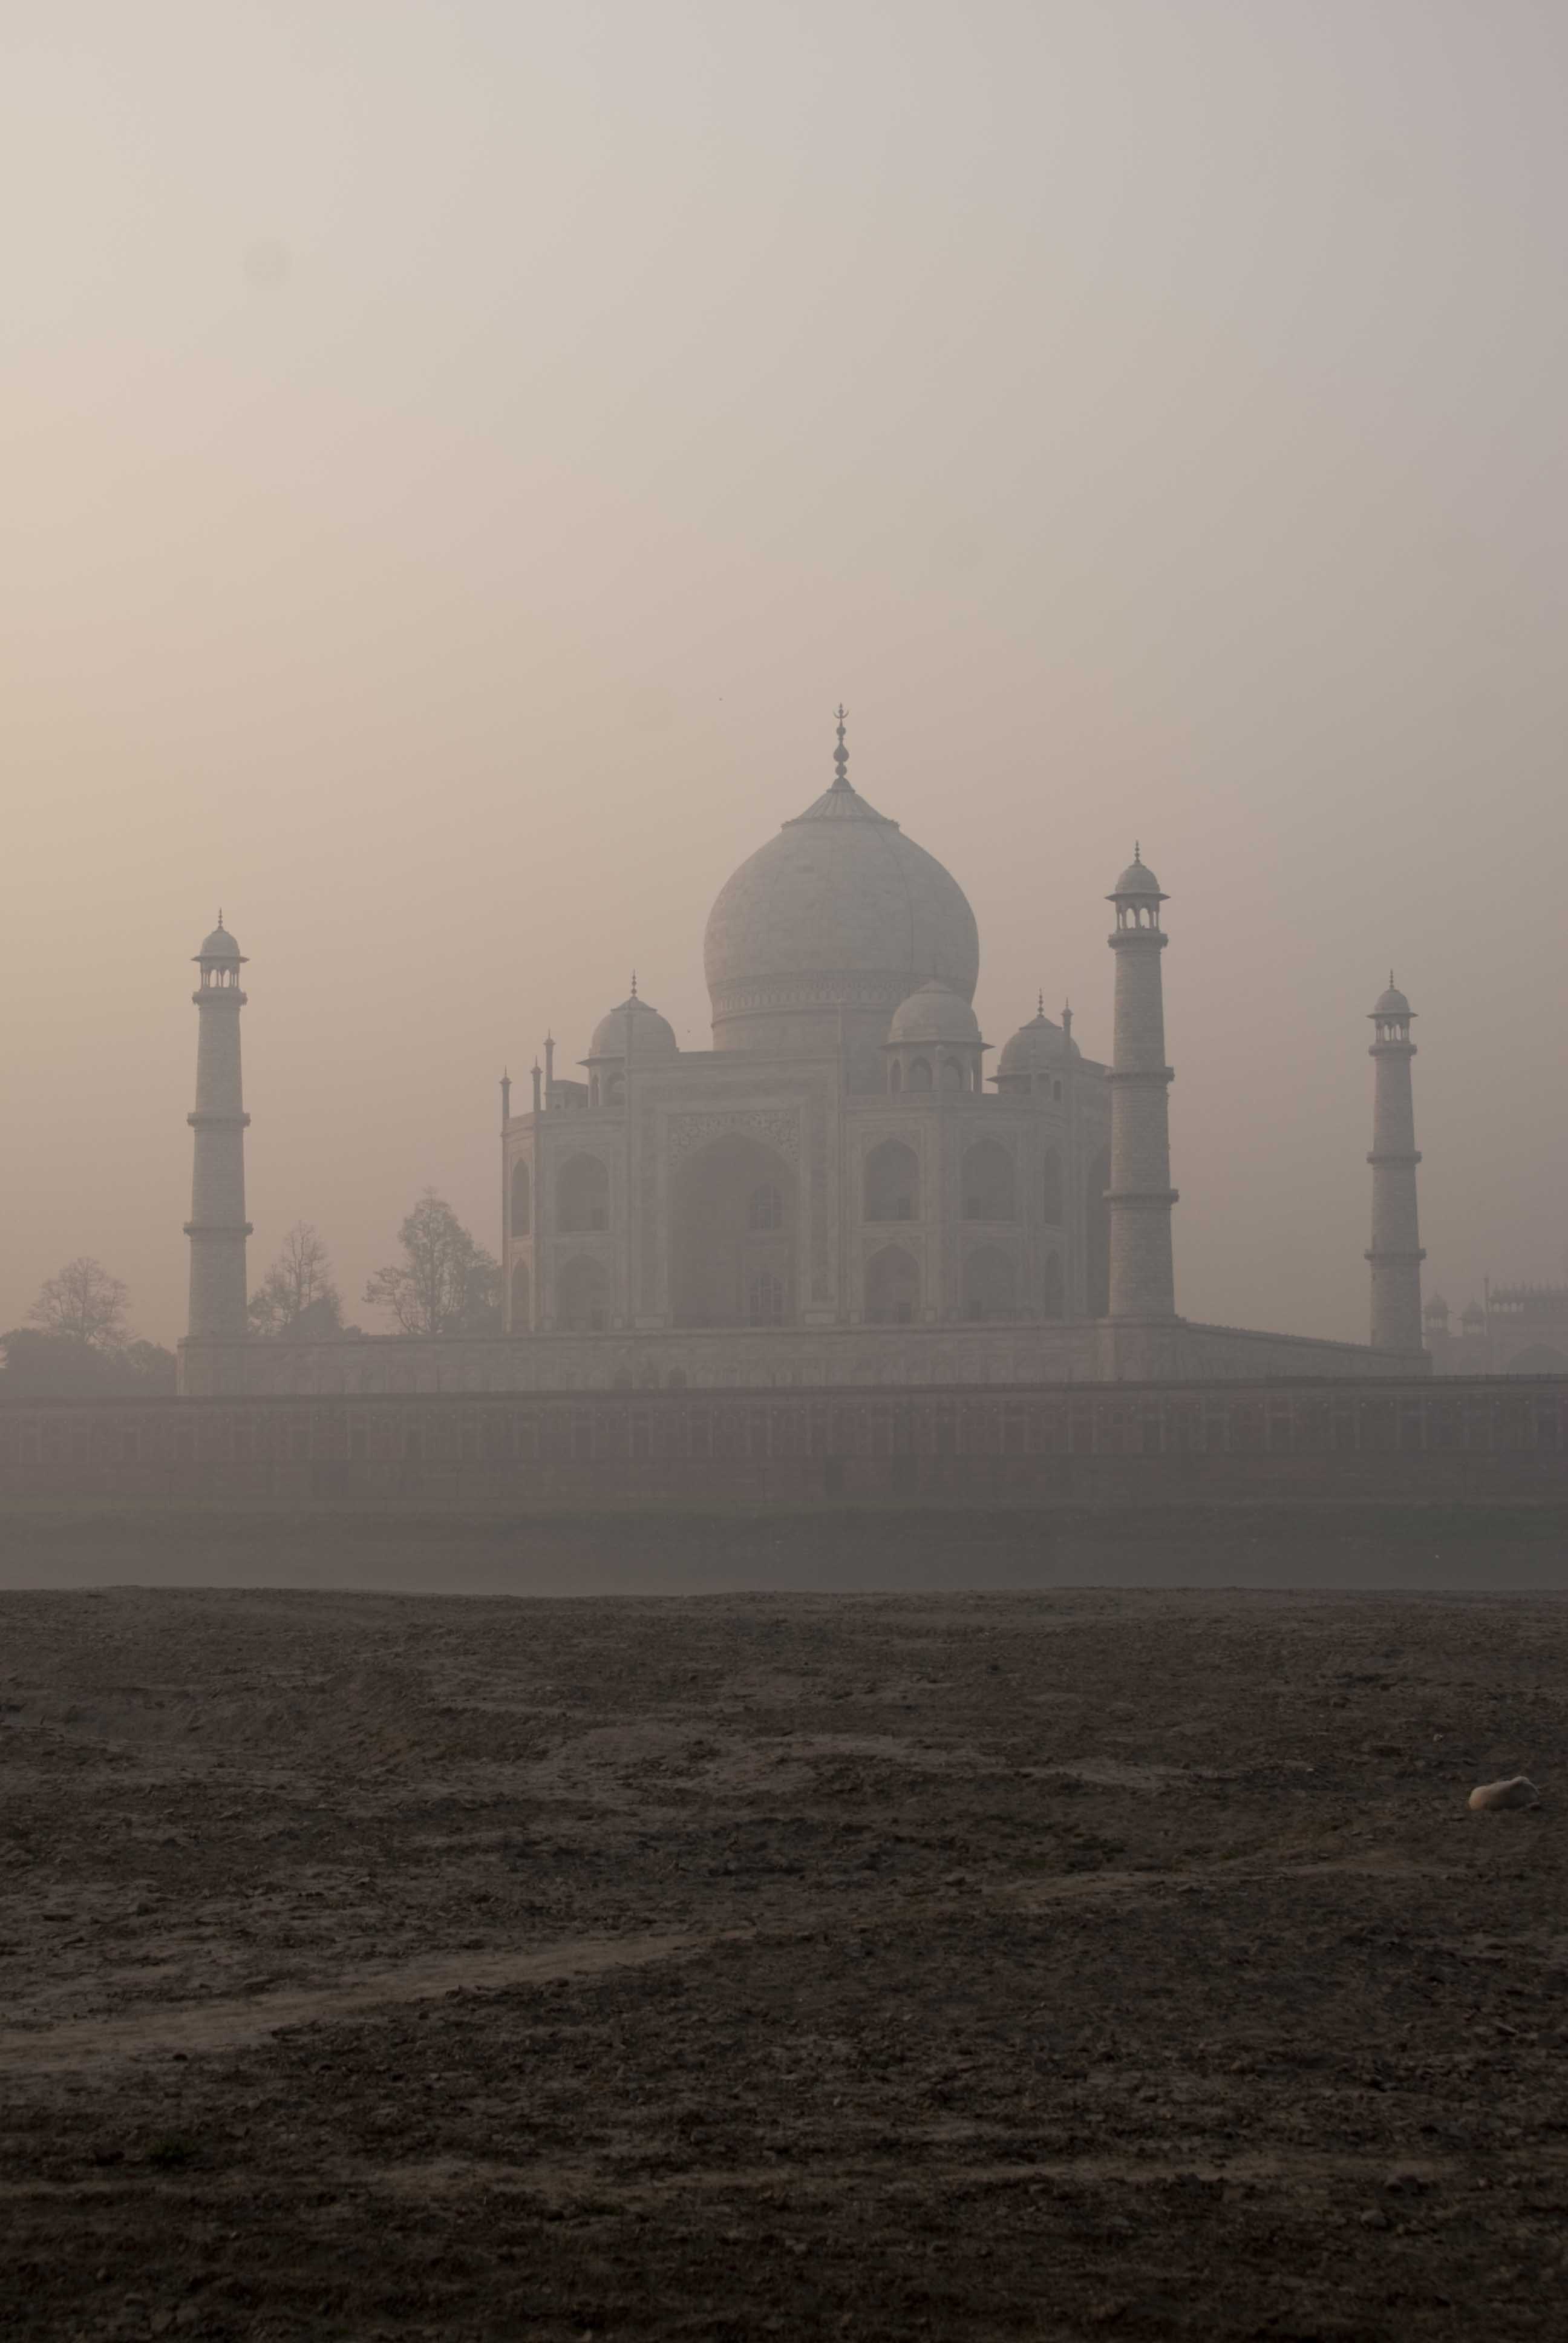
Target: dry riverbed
pixel 1051 1964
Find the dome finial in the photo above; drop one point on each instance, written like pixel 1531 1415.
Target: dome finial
pixel 1040 1003
pixel 634 985
pixel 220 923
pixel 840 754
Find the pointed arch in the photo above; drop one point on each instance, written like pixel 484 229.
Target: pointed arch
pixel 582 1297
pixel 582 1196
pixel 991 1284
pixel 892 1182
pixel 892 1287
pixel 1051 1188
pixel 765 1206
pixel 988 1185
pixel 733 1224
pixel 1097 1237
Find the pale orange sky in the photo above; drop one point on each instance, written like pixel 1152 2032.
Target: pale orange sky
pixel 456 455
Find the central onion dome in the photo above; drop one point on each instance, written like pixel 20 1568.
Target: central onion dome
pixel 840 913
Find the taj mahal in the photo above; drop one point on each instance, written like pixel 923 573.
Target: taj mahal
pixel 838 1190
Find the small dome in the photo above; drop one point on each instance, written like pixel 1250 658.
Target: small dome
pixel 633 1030
pixel 1437 1307
pixel 1038 1047
pixel 220 945
pixel 1392 1003
pixel 1136 879
pixel 934 1013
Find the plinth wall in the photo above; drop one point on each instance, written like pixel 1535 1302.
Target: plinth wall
pixel 1165 1350
pixel 1400 1440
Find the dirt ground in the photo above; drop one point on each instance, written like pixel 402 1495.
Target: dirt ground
pixel 1047 1965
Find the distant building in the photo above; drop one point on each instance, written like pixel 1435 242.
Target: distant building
pixel 836 1192
pixel 1518 1330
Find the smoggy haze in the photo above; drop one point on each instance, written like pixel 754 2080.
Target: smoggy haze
pixel 455 458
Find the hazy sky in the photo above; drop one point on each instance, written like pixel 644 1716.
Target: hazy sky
pixel 457 452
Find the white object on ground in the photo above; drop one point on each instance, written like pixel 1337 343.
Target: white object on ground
pixel 1518 1791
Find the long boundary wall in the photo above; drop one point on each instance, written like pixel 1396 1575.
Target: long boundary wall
pixel 1400 1442
pixel 1061 1352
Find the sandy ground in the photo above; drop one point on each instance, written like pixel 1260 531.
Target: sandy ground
pixel 1048 1965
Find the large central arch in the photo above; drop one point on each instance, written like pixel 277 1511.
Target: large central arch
pixel 734 1222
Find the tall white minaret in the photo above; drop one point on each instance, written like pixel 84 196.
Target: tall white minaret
pixel 217 1227
pixel 1143 1282
pixel 1395 1253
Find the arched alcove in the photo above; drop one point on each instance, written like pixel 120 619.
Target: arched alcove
pixel 1097 1237
pixel 1053 1288
pixel 989 1187
pixel 991 1284
pixel 892 1182
pixel 892 1287
pixel 582 1196
pixel 765 1297
pixel 522 1199
pixel 582 1297
pixel 1050 1189
pixel 733 1224
pixel 522 1298
pixel 765 1207
pixel 920 1074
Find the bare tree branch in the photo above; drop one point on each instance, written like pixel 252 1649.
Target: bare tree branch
pixel 84 1303
pixel 445 1284
pixel 297 1295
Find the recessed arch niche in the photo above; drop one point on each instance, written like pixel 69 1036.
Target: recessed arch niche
pixel 733 1227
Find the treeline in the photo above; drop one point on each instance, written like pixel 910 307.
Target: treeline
pixel 443 1282
pixel 76 1342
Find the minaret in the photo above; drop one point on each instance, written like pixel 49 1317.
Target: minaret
pixel 217 1227
pixel 1142 1282
pixel 1395 1253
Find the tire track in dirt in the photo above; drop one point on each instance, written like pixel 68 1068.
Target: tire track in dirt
pixel 805 2184
pixel 198 2027
pixel 805 2181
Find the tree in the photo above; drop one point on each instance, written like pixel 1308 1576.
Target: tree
pixel 148 1367
pixel 83 1304
pixel 445 1284
pixel 297 1296
pixel 57 1366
